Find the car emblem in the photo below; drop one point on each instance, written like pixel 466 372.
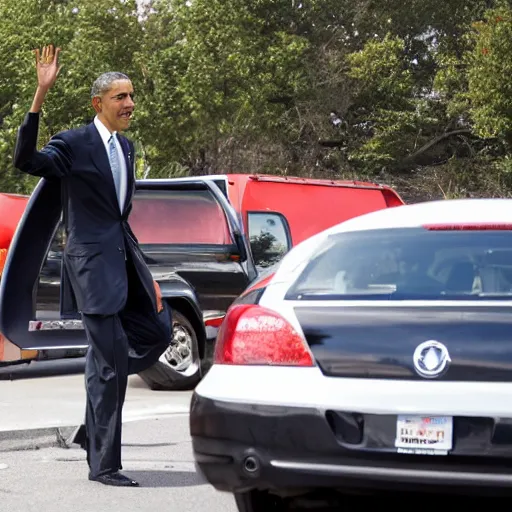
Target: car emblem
pixel 431 359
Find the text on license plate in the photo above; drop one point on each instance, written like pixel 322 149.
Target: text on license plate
pixel 424 435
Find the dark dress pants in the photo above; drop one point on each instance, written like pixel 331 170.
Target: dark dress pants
pixel 119 345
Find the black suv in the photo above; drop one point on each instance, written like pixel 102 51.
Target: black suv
pixel 195 248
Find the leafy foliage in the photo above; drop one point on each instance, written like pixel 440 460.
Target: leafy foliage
pixel 325 88
pixel 489 72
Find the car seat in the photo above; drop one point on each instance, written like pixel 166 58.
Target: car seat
pixel 461 278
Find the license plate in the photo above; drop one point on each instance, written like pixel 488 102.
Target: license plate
pixel 424 435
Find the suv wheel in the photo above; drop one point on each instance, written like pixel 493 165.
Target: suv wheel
pixel 179 367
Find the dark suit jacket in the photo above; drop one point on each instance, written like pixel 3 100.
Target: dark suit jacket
pixel 99 237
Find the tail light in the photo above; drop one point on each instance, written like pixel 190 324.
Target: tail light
pixel 214 321
pixel 253 335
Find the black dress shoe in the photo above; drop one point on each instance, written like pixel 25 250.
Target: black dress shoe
pixel 117 479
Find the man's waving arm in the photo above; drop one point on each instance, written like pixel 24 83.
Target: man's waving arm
pixel 54 160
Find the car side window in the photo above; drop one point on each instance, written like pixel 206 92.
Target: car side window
pixel 179 217
pixel 269 237
pixel 59 240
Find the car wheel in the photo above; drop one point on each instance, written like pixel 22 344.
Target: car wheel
pixel 260 501
pixel 179 367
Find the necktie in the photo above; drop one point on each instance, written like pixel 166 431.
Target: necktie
pixel 115 166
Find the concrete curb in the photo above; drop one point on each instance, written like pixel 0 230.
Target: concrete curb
pixel 36 438
pixel 63 436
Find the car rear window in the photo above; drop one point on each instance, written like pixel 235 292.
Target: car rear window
pixel 409 264
pixel 178 217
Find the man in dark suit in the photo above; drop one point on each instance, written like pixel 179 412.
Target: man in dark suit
pixel 127 325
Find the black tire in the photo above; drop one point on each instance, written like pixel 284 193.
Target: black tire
pixel 163 376
pixel 260 501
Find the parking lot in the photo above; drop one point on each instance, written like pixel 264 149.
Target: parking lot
pixel 155 452
pixel 38 474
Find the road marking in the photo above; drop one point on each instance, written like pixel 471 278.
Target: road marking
pixel 150 415
pixel 3 466
pixel 129 417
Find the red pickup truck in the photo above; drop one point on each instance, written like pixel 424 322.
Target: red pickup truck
pixel 278 212
pixel 12 207
pixel 205 239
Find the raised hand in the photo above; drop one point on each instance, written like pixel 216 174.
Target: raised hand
pixel 47 66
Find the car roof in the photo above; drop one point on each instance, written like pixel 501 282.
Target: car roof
pixel 275 178
pixel 450 211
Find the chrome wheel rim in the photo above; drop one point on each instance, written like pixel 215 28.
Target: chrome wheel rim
pixel 179 355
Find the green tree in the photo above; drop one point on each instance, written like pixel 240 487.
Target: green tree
pixel 215 71
pixel 489 70
pixel 324 88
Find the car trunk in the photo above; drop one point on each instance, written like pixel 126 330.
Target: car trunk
pixel 367 342
pixel 380 341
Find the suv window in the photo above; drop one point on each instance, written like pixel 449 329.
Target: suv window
pixel 59 240
pixel 178 217
pixel 269 237
pixel 409 264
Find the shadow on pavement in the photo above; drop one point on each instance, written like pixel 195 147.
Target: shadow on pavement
pixel 159 478
pixel 56 368
pixel 39 369
pixel 134 381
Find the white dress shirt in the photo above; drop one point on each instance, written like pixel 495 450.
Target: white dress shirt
pixel 105 136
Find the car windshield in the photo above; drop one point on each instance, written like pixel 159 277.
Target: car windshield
pixel 409 264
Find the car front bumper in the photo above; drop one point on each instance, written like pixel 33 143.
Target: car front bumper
pixel 241 447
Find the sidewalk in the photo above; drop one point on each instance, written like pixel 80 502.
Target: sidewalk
pixel 35 408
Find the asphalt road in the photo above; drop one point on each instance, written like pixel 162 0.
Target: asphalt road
pixel 157 453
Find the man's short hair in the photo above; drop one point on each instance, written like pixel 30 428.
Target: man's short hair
pixel 104 82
